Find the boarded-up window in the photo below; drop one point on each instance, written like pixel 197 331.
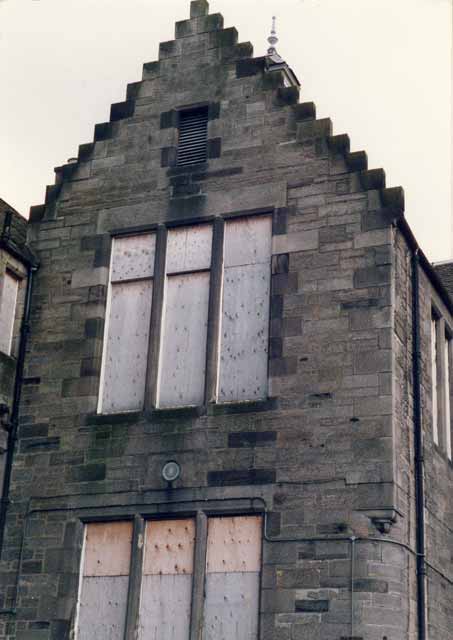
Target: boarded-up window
pixel 167 588
pixel 105 581
pixel 127 324
pixel 232 578
pixel 166 592
pixel 8 298
pixel 245 310
pixel 183 351
pixel 161 357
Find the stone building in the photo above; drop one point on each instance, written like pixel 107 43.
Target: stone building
pixel 16 262
pixel 235 410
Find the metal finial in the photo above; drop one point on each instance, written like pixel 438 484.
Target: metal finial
pixel 272 40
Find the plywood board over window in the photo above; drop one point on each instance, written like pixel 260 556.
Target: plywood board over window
pixel 184 347
pixel 232 578
pixel 167 580
pixel 127 324
pixel 185 323
pixel 105 581
pixel 245 310
pixel 189 576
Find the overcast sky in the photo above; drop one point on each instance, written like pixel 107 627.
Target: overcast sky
pixel 381 69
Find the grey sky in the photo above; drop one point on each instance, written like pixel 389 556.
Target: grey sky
pixel 381 69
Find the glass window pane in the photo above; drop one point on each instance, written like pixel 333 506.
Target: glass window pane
pixel 7 311
pixel 447 397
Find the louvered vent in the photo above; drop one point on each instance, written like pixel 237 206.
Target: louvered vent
pixel 193 136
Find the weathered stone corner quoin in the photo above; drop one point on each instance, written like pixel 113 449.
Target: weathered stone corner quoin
pixel 217 281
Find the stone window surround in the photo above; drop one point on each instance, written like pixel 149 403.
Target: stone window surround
pixel 15 269
pixel 171 119
pixel 210 406
pixel 200 514
pixel 444 333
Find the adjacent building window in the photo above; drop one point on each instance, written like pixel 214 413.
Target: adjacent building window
pixel 447 394
pixel 184 575
pixel 434 388
pixel 193 136
pixel 9 287
pixel 187 317
pixel 441 362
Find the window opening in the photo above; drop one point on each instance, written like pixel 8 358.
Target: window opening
pixel 228 564
pixel 8 301
pixel 187 318
pixel 447 395
pixel 434 389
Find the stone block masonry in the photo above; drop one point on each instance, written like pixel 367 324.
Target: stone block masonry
pixel 327 458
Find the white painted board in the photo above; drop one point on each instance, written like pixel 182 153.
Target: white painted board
pixel 244 333
pixel 231 606
pixel 183 353
pixel 189 248
pixel 125 359
pixel 248 241
pixel 8 291
pixel 133 257
pixel 102 608
pixel 165 607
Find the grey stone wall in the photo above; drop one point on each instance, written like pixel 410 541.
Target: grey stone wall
pixel 438 469
pixel 325 456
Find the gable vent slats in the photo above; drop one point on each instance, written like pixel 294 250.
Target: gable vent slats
pixel 193 135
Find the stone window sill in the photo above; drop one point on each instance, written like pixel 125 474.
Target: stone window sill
pixel 156 415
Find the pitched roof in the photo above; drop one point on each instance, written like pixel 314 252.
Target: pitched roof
pixel 445 272
pixel 13 233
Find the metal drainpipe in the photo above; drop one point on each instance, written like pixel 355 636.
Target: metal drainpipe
pixel 14 422
pixel 418 450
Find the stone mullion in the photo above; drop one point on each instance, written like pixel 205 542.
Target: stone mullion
pixel 199 576
pixel 135 579
pixel 215 311
pixel 152 379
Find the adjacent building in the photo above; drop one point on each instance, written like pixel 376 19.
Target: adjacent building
pixel 234 417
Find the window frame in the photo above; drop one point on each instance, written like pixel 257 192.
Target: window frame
pixel 12 273
pixel 442 365
pixel 447 384
pixel 435 379
pixel 213 340
pixel 139 521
